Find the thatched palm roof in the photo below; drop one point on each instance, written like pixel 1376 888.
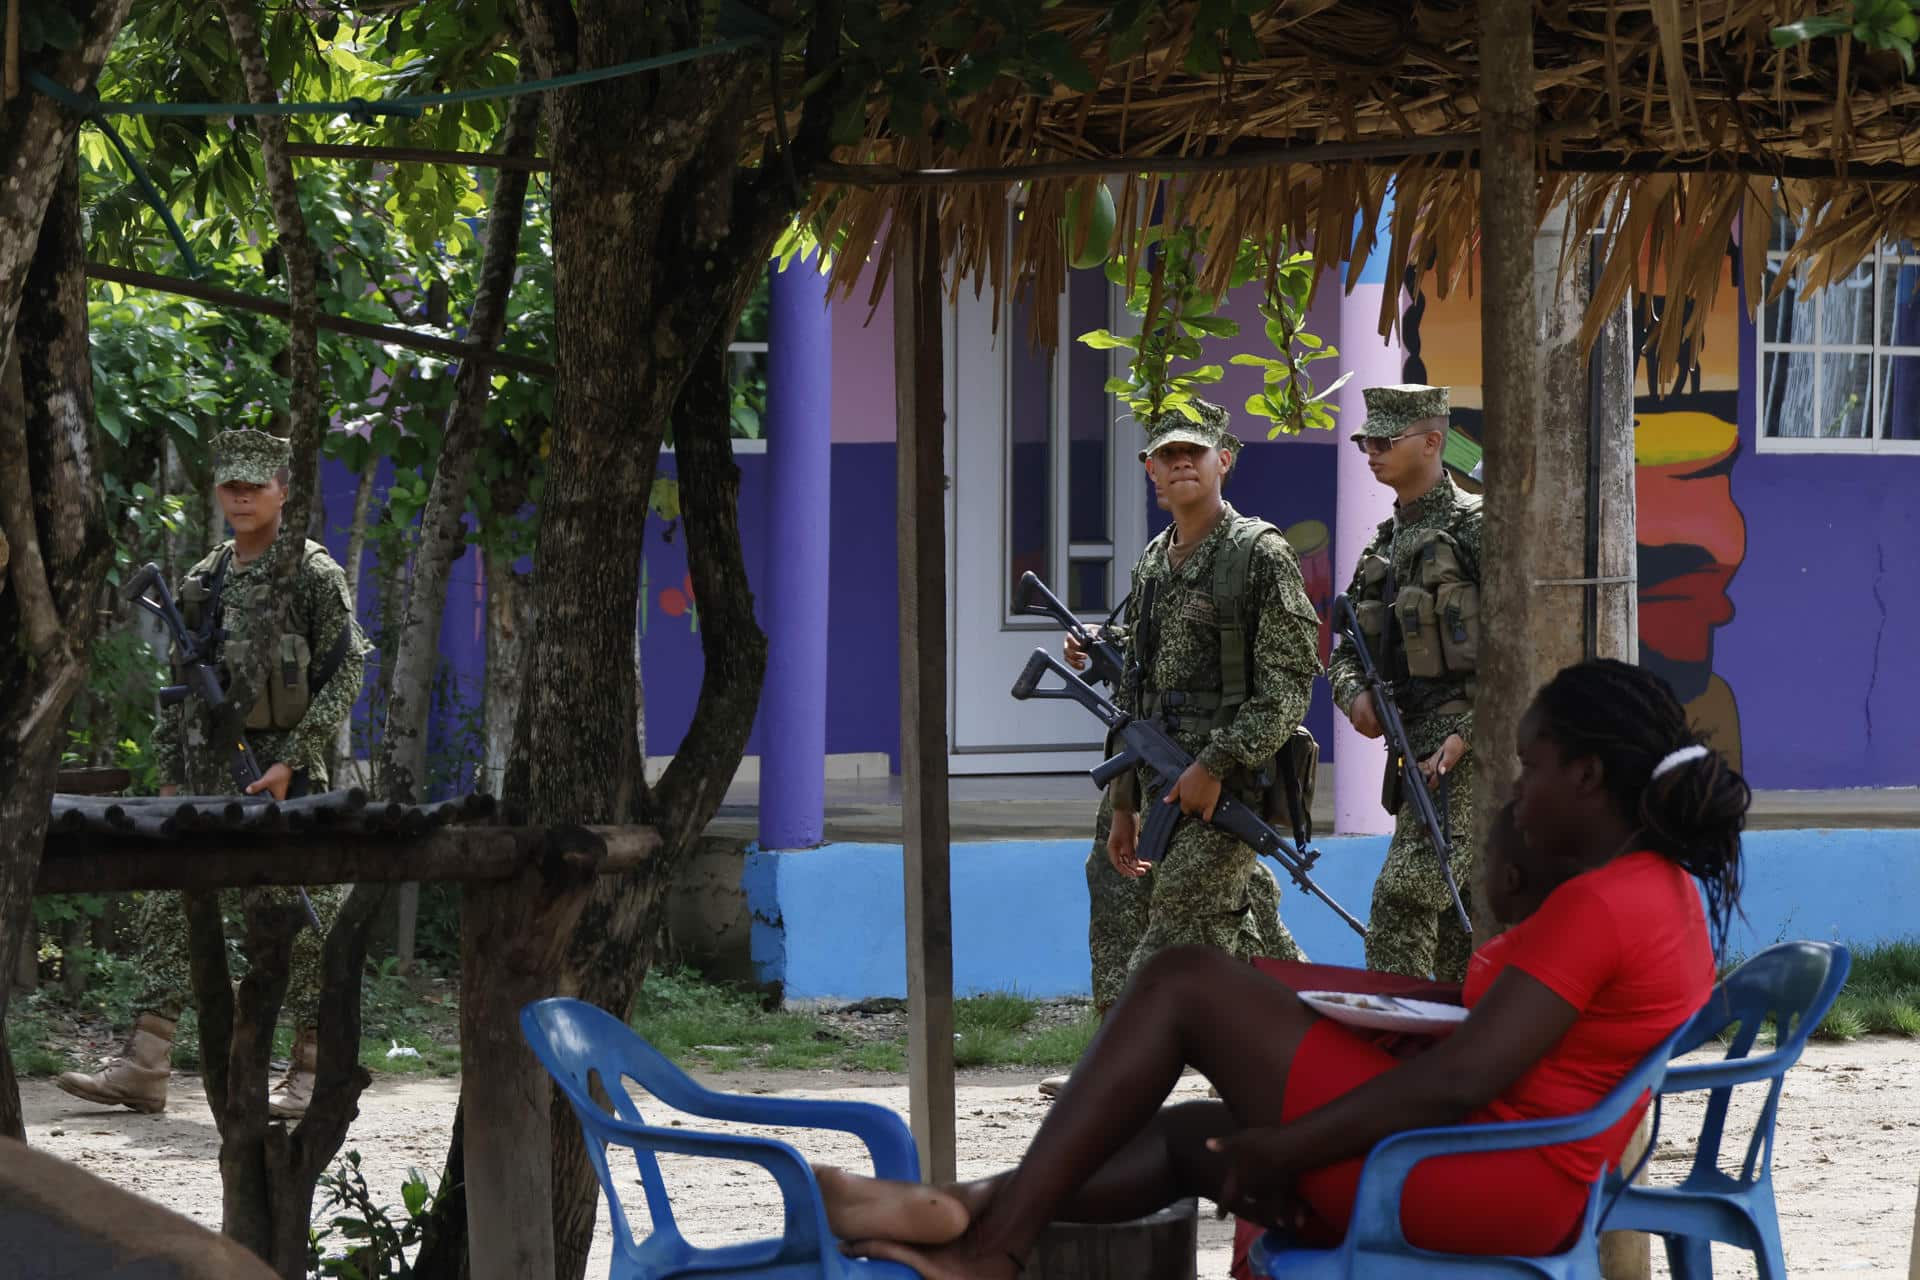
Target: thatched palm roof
pixel 1664 123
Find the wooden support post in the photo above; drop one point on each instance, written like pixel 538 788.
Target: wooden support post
pixel 922 523
pixel 1559 441
pixel 513 936
pixel 1510 382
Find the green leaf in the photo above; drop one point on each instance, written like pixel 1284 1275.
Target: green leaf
pixel 1212 326
pixel 1203 56
pixel 1106 340
pixel 1119 386
pixel 1207 373
pixel 1050 50
pixel 1807 29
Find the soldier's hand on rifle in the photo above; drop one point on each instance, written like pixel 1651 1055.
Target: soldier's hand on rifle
pixel 1364 717
pixel 1197 792
pixel 274 781
pixel 1123 843
pixel 1075 655
pixel 1441 762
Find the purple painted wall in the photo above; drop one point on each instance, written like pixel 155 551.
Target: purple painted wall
pixel 863 664
pixel 1825 613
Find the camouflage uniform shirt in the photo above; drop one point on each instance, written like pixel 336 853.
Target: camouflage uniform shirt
pixel 1209 888
pixel 320 609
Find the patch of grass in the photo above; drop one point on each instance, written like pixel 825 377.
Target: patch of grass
pixel 693 1021
pixel 1882 995
pixel 35 1050
pixel 1058 1046
pixel 698 1023
pixel 877 1057
pixel 1003 1011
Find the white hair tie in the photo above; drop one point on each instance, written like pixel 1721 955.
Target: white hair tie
pixel 1674 759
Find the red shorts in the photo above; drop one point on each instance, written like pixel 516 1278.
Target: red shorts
pixel 1498 1202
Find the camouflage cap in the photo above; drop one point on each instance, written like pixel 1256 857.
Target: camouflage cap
pixel 1173 427
pixel 248 457
pixel 1391 410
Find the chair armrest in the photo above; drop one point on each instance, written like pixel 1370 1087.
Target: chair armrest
pixel 1694 1076
pixel 889 1142
pixel 805 1235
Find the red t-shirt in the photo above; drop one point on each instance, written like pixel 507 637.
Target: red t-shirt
pixel 1626 945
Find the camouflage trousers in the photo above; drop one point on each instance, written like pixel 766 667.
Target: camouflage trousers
pixel 1412 928
pixel 1209 890
pixel 160 933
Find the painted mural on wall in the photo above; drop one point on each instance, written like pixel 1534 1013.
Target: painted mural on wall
pixel 1692 535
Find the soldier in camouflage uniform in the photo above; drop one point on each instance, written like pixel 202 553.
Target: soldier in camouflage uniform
pixel 1417 594
pixel 313 679
pixel 1233 704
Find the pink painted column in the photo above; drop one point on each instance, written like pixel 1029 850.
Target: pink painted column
pixel 1360 504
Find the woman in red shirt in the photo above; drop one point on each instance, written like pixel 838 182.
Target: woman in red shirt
pixel 1618 804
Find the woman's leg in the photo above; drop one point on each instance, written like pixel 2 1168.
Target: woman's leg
pixel 1101 1153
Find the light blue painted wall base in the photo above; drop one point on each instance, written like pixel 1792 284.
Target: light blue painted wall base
pixel 829 923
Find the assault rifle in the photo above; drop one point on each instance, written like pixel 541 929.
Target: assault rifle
pixel 1105 663
pixel 1146 743
pixel 1413 783
pixel 202 681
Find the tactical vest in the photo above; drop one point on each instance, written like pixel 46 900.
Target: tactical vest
pixel 1289 780
pixel 292 677
pixel 1427 628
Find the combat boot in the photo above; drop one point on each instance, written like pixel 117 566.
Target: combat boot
pixel 138 1077
pixel 290 1098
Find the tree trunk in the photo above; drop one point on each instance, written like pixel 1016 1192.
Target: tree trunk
pixel 659 238
pixel 403 743
pixel 356 553
pixel 508 625
pixel 52 511
pixel 615 942
pixel 267 1170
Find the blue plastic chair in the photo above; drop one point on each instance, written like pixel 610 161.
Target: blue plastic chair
pixel 1375 1246
pixel 584 1047
pixel 1796 983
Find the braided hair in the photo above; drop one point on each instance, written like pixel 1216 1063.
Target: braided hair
pixel 1693 813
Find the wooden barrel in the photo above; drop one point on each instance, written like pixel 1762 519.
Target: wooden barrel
pixel 1160 1246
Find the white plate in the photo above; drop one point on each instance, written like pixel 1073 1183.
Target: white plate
pixel 1385 1013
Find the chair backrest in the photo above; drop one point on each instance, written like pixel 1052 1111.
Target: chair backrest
pixel 588 1051
pixel 1794 983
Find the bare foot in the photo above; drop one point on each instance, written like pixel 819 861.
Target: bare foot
pixel 975 1195
pixel 953 1262
pixel 865 1208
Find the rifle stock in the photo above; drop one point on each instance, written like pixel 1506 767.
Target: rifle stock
pixel 1147 744
pixel 1413 783
pixel 1106 663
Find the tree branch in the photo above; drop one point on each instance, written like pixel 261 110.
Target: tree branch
pixel 303 270
pixel 403 745
pixel 731 642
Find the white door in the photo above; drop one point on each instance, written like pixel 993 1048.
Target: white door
pixel 1045 480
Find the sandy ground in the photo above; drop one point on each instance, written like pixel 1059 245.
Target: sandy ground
pixel 1846 1163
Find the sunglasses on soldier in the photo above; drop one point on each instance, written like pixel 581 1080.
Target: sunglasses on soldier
pixel 1371 445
